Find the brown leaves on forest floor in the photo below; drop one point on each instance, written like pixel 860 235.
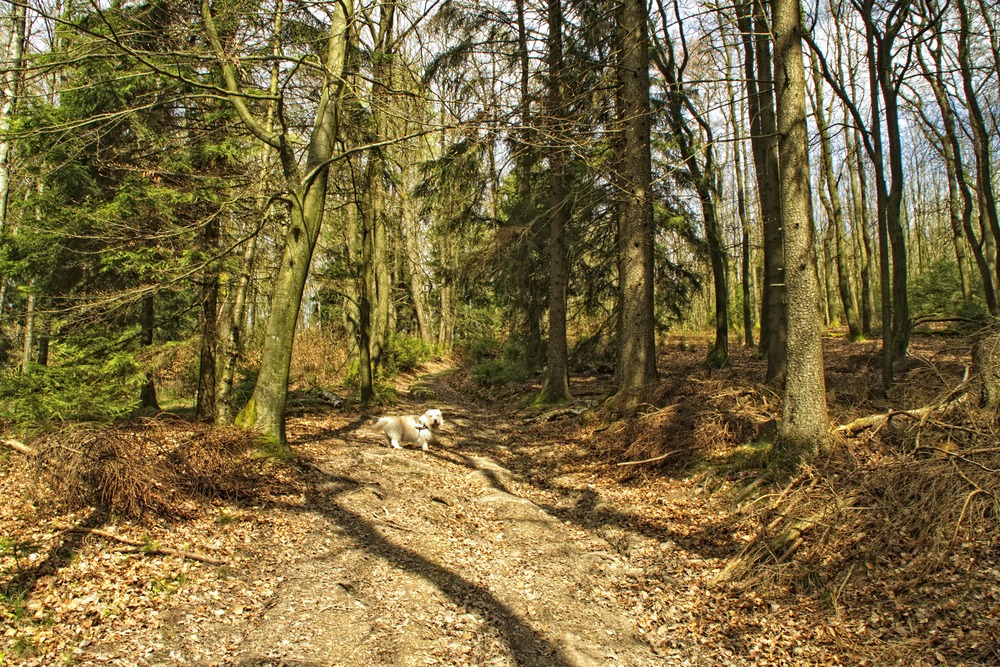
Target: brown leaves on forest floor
pixel 884 553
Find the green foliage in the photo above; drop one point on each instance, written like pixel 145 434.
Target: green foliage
pixel 403 353
pixel 87 388
pixel 494 363
pixel 937 291
pixel 478 349
pixel 500 371
pixel 12 606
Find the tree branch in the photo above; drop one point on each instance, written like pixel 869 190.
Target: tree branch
pixel 149 547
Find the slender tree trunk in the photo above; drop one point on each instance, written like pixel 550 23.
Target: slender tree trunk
pixel 205 400
pixel 266 409
pixel 881 194
pixel 760 105
pixel 556 387
pixel 836 209
pixel 832 313
pixel 43 348
pixel 14 28
pixel 894 215
pixel 719 354
pixel 747 265
pixel 804 424
pixel 449 299
pixel 413 261
pixel 29 330
pixel 147 395
pixel 862 222
pixel 527 295
pixel 637 348
pixel 233 347
pixel 961 204
pixel 705 182
pixel 366 366
pixel 746 269
pixel 980 133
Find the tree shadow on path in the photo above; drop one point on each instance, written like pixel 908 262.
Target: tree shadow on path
pixel 526 646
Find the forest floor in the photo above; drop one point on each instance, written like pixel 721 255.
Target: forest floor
pixel 515 540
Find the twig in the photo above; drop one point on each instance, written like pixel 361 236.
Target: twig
pixel 652 460
pixel 965 508
pixel 19 446
pixel 955 455
pixel 148 548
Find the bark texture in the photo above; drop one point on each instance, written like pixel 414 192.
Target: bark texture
pixel 804 424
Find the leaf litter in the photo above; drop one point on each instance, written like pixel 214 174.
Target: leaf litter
pixel 517 540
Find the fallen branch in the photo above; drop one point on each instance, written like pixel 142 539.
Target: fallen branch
pixel 147 547
pixel 19 446
pixel 652 460
pixel 919 414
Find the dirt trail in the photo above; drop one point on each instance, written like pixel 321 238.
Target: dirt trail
pixel 509 543
pixel 433 558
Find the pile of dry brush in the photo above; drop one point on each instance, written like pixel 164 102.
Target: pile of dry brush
pixel 148 467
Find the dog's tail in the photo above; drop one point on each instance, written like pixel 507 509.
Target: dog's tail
pixel 380 424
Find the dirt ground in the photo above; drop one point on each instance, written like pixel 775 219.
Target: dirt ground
pixel 511 542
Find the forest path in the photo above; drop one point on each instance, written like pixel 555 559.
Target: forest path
pixel 440 558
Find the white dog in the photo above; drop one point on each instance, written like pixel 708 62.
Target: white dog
pixel 410 428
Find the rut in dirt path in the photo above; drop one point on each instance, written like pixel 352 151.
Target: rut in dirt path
pixel 430 558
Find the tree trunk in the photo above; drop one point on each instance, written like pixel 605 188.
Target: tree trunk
pixel 29 330
pixel 14 28
pixel 960 196
pixel 704 180
pixel 894 217
pixel 449 299
pixel 411 232
pixel 804 423
pixel 763 137
pixel 266 409
pixel 637 349
pixel 147 395
pixel 556 387
pixel 741 211
pixel 205 400
pixel 877 157
pixel 233 347
pixel 981 136
pixel 528 294
pixel 862 222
